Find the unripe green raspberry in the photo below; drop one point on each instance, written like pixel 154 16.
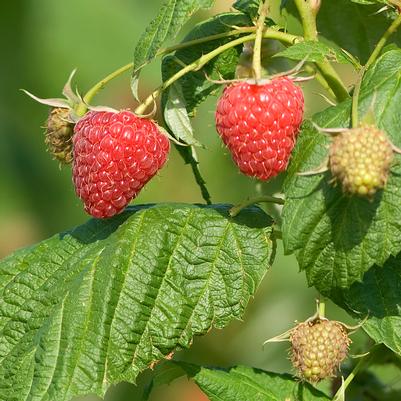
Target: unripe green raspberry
pixel 59 132
pixel 318 348
pixel 360 159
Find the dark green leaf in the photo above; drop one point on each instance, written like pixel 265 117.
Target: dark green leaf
pixel 250 7
pixel 362 32
pixel 101 303
pixel 244 383
pixel 195 85
pixel 378 297
pixel 351 26
pixel 172 16
pixel 337 238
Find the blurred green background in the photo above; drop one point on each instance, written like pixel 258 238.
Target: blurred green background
pixel 42 42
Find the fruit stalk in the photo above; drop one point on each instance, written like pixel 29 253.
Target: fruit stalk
pixel 257 48
pixel 308 18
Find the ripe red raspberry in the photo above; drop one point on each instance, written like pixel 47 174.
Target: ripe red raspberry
pixel 115 155
pixel 259 124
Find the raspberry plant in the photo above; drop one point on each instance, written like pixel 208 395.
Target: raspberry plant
pixel 105 301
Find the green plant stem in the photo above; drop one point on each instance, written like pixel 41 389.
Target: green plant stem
pixel 372 58
pixel 234 211
pixel 200 62
pixel 361 364
pixel 308 18
pixel 257 47
pixel 82 108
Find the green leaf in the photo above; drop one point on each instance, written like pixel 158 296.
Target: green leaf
pixel 337 238
pixel 361 35
pixel 244 383
pixel 176 116
pixel 250 7
pixel 172 16
pixel 195 85
pixel 315 52
pixel 99 304
pixel 378 297
pixel 354 27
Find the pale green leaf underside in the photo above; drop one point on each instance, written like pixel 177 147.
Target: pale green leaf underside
pixel 176 116
pixel 378 297
pixel 244 383
pixel 99 304
pixel 337 238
